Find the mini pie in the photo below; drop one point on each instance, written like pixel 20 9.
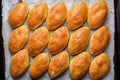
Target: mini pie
pixel 19 63
pixel 58 40
pixel 37 15
pixel 18 39
pixel 97 14
pixel 77 15
pixel 58 64
pixel 18 14
pixel 99 67
pixel 78 40
pixel 99 40
pixel 79 65
pixel 38 41
pixel 39 65
pixel 56 16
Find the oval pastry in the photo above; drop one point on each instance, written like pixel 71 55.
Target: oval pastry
pixel 58 64
pixel 77 15
pixel 100 66
pixel 99 40
pixel 58 40
pixel 56 16
pixel 38 41
pixel 18 39
pixel 97 14
pixel 19 63
pixel 18 14
pixel 79 65
pixel 39 65
pixel 37 15
pixel 78 40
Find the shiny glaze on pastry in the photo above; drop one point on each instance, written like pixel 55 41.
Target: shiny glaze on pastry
pixel 78 40
pixel 18 14
pixel 99 40
pixel 97 14
pixel 56 15
pixel 37 15
pixel 38 41
pixel 39 65
pixel 79 65
pixel 100 66
pixel 58 40
pixel 58 64
pixel 77 15
pixel 18 39
pixel 19 63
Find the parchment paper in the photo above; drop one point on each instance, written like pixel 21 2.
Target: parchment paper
pixel 6 30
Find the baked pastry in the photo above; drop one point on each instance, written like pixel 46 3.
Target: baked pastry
pixel 18 39
pixel 19 63
pixel 79 65
pixel 99 40
pixel 100 66
pixel 37 15
pixel 58 64
pixel 18 14
pixel 58 40
pixel 77 15
pixel 97 14
pixel 56 16
pixel 78 40
pixel 39 65
pixel 38 41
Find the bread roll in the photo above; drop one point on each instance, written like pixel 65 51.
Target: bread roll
pixel 37 15
pixel 38 41
pixel 19 63
pixel 56 15
pixel 79 65
pixel 58 64
pixel 78 40
pixel 97 14
pixel 39 65
pixel 58 40
pixel 77 15
pixel 99 67
pixel 99 40
pixel 18 14
pixel 18 39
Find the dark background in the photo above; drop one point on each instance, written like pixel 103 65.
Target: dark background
pixel 116 58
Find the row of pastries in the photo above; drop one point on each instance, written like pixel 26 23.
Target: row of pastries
pixel 58 40
pixel 57 14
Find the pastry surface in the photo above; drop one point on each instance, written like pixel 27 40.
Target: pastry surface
pixel 37 15
pixel 97 14
pixel 18 14
pixel 77 15
pixel 56 15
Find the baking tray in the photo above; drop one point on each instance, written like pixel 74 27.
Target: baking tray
pixel 116 58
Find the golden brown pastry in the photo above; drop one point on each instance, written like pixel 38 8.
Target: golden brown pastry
pixel 56 16
pixel 39 65
pixel 18 39
pixel 97 14
pixel 58 64
pixel 99 40
pixel 77 15
pixel 37 15
pixel 19 63
pixel 78 40
pixel 58 40
pixel 79 65
pixel 99 67
pixel 18 14
pixel 38 41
